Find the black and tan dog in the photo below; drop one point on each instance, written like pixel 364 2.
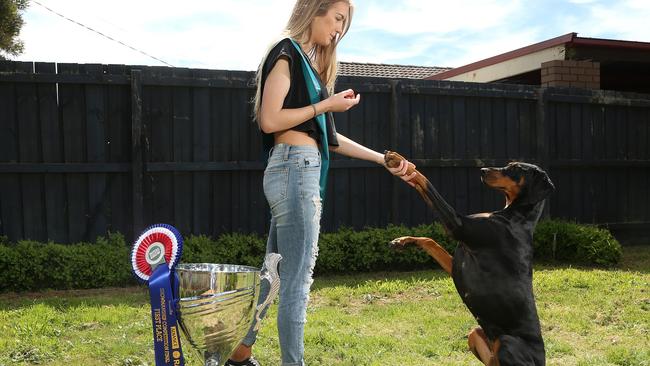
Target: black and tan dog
pixel 492 264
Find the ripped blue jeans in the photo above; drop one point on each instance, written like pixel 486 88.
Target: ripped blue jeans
pixel 291 187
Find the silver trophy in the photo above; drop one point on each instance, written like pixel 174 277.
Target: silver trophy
pixel 217 304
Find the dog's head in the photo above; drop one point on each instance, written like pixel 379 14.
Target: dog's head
pixel 522 183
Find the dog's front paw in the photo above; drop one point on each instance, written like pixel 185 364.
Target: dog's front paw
pixel 392 159
pixel 401 242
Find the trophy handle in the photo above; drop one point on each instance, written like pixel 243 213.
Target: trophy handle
pixel 269 273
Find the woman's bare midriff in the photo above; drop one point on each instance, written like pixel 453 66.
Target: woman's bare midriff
pixel 296 138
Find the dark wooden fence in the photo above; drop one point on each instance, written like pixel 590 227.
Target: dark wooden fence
pixel 86 149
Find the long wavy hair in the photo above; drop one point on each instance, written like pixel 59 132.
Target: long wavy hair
pixel 299 29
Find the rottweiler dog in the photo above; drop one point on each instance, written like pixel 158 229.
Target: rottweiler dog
pixel 492 264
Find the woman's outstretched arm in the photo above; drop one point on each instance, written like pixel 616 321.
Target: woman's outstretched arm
pixel 355 150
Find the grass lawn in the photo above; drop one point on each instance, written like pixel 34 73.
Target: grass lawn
pixel 589 317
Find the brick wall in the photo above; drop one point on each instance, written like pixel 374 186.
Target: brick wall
pixel 577 74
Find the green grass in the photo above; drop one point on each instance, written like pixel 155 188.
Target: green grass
pixel 589 317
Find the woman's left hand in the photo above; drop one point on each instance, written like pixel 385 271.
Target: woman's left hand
pixel 400 172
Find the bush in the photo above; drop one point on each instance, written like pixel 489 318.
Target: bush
pixel 348 251
pixel 235 248
pixel 557 240
pixel 29 265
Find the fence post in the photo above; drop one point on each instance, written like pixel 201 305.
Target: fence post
pixel 394 138
pixel 542 140
pixel 136 150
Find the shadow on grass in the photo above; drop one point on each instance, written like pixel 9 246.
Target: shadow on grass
pixel 356 279
pixel 635 258
pixel 134 296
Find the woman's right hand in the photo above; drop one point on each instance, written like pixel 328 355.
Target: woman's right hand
pixel 342 101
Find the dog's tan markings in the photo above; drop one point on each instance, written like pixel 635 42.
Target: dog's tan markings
pixel 495 179
pixel 483 348
pixel 393 160
pixel 431 247
pixel 479 344
pixel 513 189
pixel 494 361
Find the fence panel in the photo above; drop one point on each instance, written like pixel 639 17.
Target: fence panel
pixel 75 161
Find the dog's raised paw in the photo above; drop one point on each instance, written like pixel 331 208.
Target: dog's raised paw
pixel 401 242
pixel 392 159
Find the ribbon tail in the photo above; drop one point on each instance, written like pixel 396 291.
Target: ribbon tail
pixel 166 337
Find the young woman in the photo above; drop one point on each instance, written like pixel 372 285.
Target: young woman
pixel 287 117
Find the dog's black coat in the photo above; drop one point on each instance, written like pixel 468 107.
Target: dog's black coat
pixel 492 265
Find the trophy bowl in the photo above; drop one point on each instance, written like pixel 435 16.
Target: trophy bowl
pixel 218 303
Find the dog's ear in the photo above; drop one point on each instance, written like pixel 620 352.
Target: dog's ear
pixel 538 186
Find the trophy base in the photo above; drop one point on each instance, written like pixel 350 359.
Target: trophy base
pixel 213 360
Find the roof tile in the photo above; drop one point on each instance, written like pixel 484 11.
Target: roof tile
pixel 388 71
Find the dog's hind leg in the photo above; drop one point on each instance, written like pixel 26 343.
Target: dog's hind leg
pixel 430 246
pixel 479 344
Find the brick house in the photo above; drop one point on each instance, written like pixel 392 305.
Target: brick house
pixel 565 61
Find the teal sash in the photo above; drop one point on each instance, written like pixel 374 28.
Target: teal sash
pixel 314 90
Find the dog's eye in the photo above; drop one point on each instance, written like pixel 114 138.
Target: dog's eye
pixel 513 173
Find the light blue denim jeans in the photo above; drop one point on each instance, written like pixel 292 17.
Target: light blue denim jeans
pixel 291 187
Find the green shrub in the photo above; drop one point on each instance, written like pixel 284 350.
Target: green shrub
pixel 563 241
pixel 235 248
pixel 29 265
pixel 348 251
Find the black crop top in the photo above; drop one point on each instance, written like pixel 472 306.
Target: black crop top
pixel 298 96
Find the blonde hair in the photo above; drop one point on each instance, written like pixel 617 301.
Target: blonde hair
pixel 298 28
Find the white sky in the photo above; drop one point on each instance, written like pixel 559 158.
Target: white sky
pixel 233 34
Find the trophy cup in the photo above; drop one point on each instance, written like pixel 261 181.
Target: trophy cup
pixel 213 305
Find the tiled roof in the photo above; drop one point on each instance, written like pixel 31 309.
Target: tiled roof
pixel 388 71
